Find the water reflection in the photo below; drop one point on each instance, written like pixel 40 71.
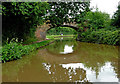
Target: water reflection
pixel 67 49
pixel 80 62
pixel 65 74
pixel 62 46
pixel 79 73
pixel 106 73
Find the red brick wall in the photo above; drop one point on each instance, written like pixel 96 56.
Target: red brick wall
pixel 40 32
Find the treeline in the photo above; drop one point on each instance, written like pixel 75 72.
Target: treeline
pixel 98 27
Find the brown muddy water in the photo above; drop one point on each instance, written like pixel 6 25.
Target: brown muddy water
pixel 65 60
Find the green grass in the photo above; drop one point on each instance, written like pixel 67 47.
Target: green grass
pixel 58 36
pixel 29 40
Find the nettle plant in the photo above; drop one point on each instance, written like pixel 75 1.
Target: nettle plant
pixel 12 50
pixel 15 50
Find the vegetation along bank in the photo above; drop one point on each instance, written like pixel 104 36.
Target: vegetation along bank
pixel 98 27
pixel 14 50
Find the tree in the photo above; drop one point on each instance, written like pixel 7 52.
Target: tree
pixel 61 12
pixel 96 20
pixel 20 18
pixel 116 18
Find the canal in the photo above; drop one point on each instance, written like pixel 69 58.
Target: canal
pixel 65 60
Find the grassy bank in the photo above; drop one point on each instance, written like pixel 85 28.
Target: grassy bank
pixel 59 36
pixel 14 50
pixel 111 37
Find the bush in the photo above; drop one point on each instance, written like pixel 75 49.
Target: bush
pixel 14 50
pixel 97 29
pixel 101 36
pixel 11 51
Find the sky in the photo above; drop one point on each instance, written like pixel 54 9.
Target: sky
pixel 108 6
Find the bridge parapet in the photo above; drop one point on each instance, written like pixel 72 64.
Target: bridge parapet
pixel 71 24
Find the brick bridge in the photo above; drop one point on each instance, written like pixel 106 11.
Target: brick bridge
pixel 41 30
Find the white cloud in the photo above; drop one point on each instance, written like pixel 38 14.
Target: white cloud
pixel 108 6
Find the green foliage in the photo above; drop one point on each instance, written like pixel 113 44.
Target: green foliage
pixel 29 40
pixel 15 50
pixel 61 30
pixel 0 9
pixel 116 18
pixel 61 12
pixel 21 18
pixel 96 28
pixel 101 36
pixel 56 37
pixel 11 52
pixel 97 20
pixel 27 9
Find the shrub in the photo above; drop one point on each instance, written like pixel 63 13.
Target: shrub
pixel 11 51
pixel 101 36
pixel 14 50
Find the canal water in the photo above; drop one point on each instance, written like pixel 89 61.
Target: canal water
pixel 65 60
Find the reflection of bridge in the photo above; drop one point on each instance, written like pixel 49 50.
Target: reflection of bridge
pixel 41 30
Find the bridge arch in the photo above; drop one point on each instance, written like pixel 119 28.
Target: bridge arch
pixel 40 32
pixel 75 28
